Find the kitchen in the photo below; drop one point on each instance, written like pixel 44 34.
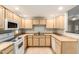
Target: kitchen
pixel 41 32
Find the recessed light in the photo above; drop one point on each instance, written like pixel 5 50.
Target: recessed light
pixel 16 8
pixel 60 8
pixel 73 19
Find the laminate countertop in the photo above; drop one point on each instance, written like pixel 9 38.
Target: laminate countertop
pixel 63 38
pixel 4 45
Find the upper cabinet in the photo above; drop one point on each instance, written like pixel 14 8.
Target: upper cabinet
pixel 2 10
pixel 60 22
pixel 35 22
pixel 23 23
pixel 43 22
pixel 39 22
pixel 57 22
pixel 18 19
pixel 28 24
pixel 49 23
pixel 9 14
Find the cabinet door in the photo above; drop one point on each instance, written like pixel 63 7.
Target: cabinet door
pixel 58 47
pixel 30 41
pixel 48 38
pixel 23 23
pixel 28 24
pixel 20 22
pixel 35 40
pixel 62 22
pixel 14 16
pixel 53 43
pixel 25 42
pixel 42 40
pixel 55 23
pixel 1 17
pixel 9 14
pixel 49 23
pixel 36 22
pixel 43 22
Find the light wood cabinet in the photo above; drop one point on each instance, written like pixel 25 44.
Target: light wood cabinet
pixel 62 22
pixel 58 47
pixel 23 23
pixel 64 47
pixel 42 41
pixel 39 22
pixel 9 14
pixel 49 23
pixel 30 40
pixel 25 42
pixel 48 40
pixel 43 22
pixel 36 22
pixel 8 50
pixel 36 40
pixel 59 22
pixel 2 10
pixel 28 24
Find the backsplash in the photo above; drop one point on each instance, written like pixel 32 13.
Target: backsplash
pixel 39 28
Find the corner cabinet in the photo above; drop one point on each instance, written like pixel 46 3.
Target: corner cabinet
pixel 2 10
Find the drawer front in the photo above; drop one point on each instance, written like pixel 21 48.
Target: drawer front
pixel 7 50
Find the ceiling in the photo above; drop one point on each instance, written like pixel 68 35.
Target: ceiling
pixel 38 10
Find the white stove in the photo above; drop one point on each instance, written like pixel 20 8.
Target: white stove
pixel 17 41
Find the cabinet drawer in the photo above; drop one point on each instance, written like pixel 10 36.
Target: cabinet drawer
pixel 7 50
pixel 58 42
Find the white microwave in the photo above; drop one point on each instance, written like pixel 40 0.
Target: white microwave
pixel 11 24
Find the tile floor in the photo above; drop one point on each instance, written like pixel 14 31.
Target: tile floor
pixel 39 50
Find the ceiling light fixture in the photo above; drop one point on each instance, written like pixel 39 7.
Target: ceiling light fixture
pixel 16 8
pixel 60 8
pixel 73 19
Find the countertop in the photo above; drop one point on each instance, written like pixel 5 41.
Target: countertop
pixel 4 45
pixel 63 38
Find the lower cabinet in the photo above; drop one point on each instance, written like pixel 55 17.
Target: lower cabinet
pixel 25 42
pixel 48 40
pixel 30 40
pixel 57 47
pixel 64 47
pixel 35 40
pixel 8 50
pixel 42 41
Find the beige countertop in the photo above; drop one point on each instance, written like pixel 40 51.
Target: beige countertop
pixel 4 45
pixel 63 38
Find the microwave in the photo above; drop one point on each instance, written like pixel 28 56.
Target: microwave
pixel 11 24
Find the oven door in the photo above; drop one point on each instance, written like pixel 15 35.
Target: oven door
pixel 19 47
pixel 11 25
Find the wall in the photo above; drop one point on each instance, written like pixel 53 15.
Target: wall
pixel 39 28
